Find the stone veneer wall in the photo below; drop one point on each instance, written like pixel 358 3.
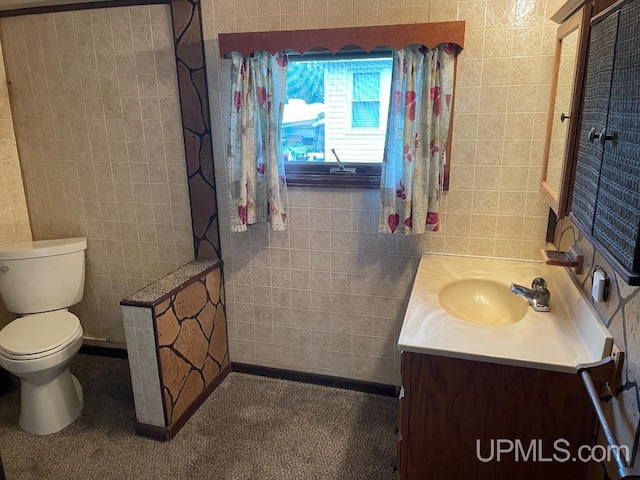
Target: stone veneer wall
pixel 191 334
pixel 621 315
pixel 196 126
pixel 177 341
pixel 328 295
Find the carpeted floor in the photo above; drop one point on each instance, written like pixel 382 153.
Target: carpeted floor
pixel 250 428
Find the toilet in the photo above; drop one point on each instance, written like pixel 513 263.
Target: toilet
pixel 38 281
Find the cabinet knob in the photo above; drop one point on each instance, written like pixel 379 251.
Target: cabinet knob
pixel 564 117
pixel 601 137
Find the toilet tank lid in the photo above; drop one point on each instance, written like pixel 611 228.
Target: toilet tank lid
pixel 41 248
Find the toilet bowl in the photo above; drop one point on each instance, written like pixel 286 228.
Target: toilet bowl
pixel 38 349
pixel 39 280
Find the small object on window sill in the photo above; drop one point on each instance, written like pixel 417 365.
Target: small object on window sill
pixel 341 168
pixel 570 258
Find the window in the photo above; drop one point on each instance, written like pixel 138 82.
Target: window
pixel 309 158
pixel 365 102
pixel 336 103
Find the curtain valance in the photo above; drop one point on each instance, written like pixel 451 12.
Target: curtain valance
pixel 333 39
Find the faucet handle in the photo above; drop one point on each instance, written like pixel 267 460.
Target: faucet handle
pixel 538 283
pixel 543 296
pixel 541 302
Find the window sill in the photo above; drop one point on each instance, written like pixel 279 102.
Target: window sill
pixel 307 174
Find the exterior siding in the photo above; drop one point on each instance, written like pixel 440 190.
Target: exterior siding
pixel 353 145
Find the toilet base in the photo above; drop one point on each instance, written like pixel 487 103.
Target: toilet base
pixel 49 407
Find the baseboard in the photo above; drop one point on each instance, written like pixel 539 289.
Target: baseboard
pixel 153 431
pixel 103 351
pixel 317 379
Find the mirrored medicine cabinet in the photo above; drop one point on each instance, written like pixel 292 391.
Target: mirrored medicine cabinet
pixel 563 121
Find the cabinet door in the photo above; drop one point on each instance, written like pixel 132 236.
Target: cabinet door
pixel 617 215
pixel 594 119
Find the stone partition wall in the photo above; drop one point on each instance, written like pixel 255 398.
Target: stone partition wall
pixel 621 315
pixel 177 341
pixel 196 126
pixel 190 343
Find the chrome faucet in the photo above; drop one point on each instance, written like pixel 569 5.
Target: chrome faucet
pixel 538 295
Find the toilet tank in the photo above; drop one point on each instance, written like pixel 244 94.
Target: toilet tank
pixel 42 275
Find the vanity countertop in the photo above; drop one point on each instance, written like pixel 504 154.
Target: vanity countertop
pixel 555 340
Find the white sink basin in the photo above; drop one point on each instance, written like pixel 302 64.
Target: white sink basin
pixel 482 301
pixel 462 307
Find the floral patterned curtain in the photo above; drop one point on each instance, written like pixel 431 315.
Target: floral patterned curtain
pixel 417 132
pixel 255 166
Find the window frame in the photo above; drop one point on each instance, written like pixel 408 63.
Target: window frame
pixel 318 174
pixel 309 174
pixel 367 174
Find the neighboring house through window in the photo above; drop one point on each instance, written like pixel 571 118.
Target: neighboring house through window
pixel 336 103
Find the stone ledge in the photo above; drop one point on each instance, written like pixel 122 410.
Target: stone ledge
pixel 169 284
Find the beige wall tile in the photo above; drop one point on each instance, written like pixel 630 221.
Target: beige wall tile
pixel 111 179
pixel 502 78
pixel 14 219
pixel 339 266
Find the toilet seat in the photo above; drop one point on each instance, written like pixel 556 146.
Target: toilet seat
pixel 39 335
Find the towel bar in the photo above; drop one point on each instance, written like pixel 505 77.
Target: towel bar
pixel 603 371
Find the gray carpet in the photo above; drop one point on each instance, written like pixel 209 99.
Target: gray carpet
pixel 250 428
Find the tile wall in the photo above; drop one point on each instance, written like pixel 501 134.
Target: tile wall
pixel 328 295
pixel 97 120
pixel 621 315
pixel 14 219
pixel 143 365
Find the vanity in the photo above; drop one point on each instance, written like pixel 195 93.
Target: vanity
pixel 482 372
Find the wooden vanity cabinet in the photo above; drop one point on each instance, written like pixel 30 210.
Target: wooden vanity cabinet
pixel 450 404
